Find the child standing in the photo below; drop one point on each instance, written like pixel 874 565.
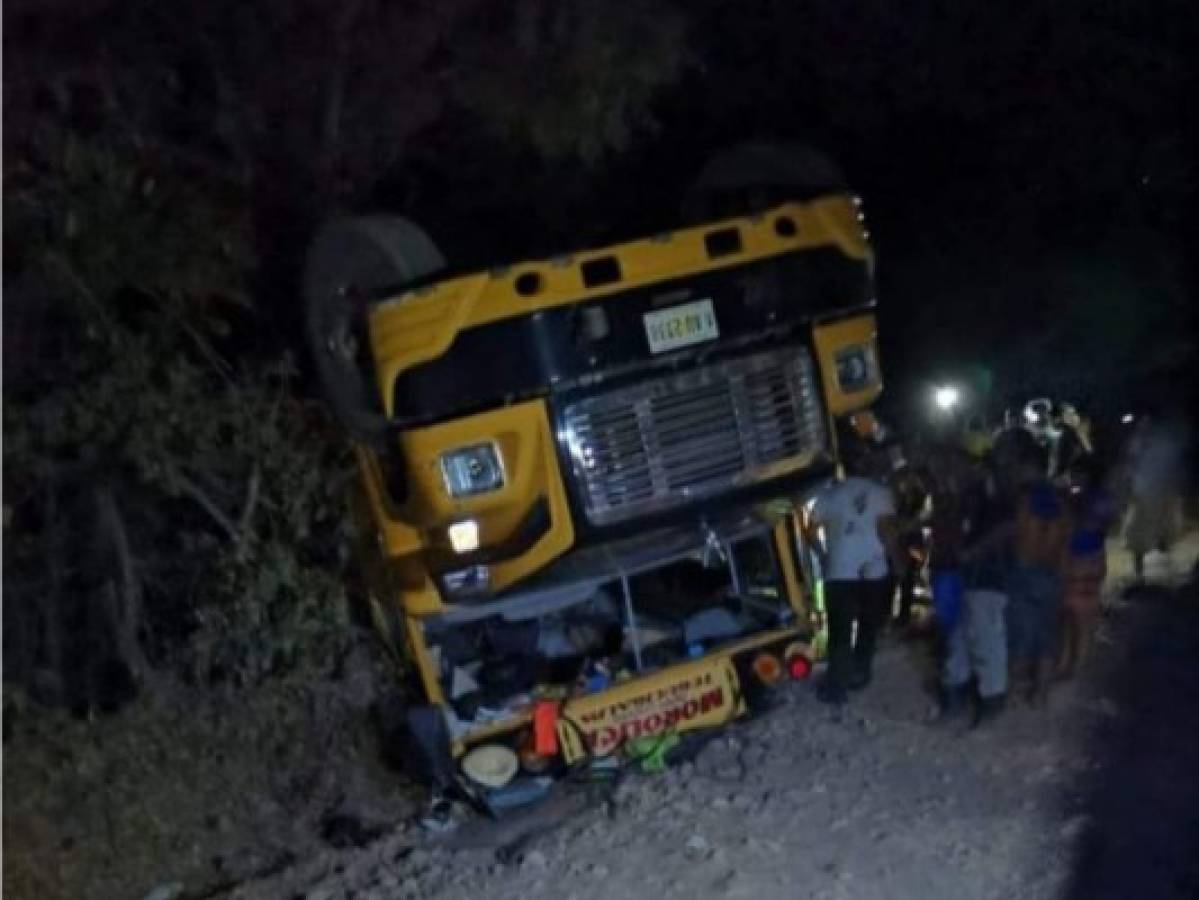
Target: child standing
pixel 1084 568
pixel 1042 529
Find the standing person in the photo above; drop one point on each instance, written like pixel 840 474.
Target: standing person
pixel 857 515
pixel 1071 444
pixel 977 646
pixel 1084 567
pixel 910 486
pixel 1155 473
pixel 1034 591
pixel 949 485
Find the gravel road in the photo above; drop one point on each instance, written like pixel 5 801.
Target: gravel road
pixel 1096 797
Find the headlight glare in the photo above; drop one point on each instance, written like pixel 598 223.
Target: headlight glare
pixel 464 536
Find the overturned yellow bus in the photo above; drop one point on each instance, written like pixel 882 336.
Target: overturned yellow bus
pixel 578 474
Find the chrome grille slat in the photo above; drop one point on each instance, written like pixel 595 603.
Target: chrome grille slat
pixel 701 446
pixel 685 418
pixel 696 478
pixel 684 430
pixel 676 438
pixel 682 469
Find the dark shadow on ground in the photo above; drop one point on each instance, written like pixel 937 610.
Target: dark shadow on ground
pixel 1141 802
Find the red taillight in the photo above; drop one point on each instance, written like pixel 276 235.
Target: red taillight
pixel 798 657
pixel 799 666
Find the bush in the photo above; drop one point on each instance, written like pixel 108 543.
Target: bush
pixel 167 509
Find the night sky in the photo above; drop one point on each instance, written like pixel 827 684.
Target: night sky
pixel 1028 173
pixel 1028 170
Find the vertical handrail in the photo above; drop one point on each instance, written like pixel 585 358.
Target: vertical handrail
pixel 631 619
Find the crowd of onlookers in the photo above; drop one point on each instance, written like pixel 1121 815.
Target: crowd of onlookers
pixel 1010 532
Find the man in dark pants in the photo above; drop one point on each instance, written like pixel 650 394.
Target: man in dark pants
pixel 856 516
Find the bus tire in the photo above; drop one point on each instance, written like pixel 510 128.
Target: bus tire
pixel 352 262
pixel 753 176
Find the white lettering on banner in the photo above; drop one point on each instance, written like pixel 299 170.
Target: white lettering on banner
pixel 603 739
pixel 692 700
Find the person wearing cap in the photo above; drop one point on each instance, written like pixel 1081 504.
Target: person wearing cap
pixel 976 441
pixel 858 517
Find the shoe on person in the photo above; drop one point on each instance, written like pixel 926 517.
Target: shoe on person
pixel 987 710
pixel 951 702
pixel 1038 695
pixel 859 680
pixel 833 694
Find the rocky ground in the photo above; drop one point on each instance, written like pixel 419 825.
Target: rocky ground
pixel 1096 797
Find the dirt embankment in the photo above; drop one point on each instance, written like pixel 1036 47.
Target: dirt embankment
pixel 193 789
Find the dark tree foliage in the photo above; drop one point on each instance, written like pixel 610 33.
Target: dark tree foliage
pixel 174 502
pixel 167 505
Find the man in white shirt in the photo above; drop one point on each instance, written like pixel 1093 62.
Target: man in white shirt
pixel 857 519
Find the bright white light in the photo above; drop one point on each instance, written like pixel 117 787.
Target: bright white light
pixel 464 536
pixel 1127 418
pixel 946 397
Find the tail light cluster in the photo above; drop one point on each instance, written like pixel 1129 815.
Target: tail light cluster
pixel 768 668
pixel 795 661
pixel 799 666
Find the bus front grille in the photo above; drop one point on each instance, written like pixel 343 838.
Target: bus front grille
pixel 679 438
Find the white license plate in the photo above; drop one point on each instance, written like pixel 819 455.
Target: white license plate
pixel 681 326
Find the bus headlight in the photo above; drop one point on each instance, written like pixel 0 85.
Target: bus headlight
pixel 472 470
pixel 464 536
pixel 855 368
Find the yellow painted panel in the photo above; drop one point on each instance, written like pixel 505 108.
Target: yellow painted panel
pixel 414 633
pixel 420 325
pixel 525 442
pixel 796 596
pixel 400 545
pixel 684 697
pixel 398 537
pixel 831 338
pixel 528 455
